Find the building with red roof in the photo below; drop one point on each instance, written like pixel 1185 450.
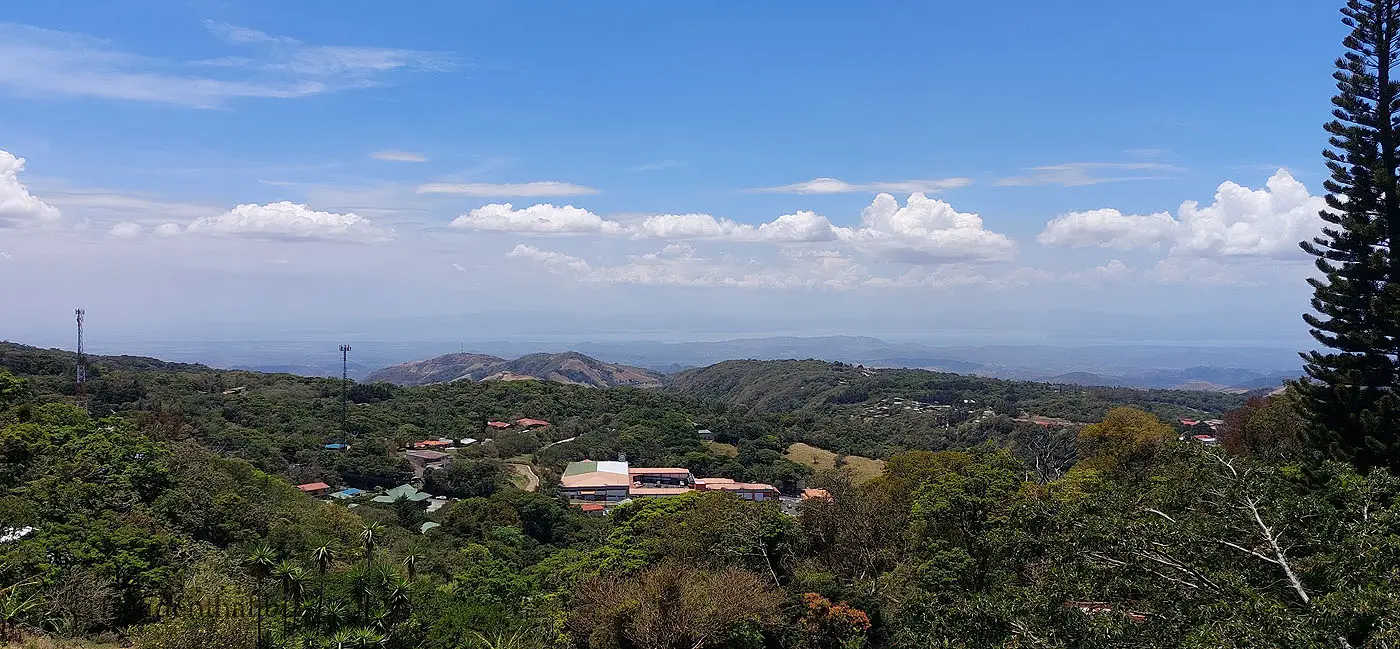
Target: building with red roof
pixel 528 422
pixel 498 424
pixel 315 488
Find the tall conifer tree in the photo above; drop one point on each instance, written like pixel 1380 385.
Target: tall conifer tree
pixel 1351 393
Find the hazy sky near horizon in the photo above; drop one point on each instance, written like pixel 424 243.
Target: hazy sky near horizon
pixel 1091 168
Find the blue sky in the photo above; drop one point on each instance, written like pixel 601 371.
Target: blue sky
pixel 906 169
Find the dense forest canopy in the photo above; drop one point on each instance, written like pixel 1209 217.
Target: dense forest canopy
pixel 164 513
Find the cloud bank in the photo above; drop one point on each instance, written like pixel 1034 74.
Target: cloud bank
pixel 1241 222
pixel 924 230
pixel 289 221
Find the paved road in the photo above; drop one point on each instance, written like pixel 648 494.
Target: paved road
pixel 532 481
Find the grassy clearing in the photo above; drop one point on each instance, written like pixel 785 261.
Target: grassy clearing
pixel 820 459
pixel 719 448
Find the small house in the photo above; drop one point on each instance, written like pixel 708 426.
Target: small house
pixel 402 492
pixel 706 434
pixel 427 459
pixel 316 489
pixel 530 423
pixel 498 425
pixel 347 494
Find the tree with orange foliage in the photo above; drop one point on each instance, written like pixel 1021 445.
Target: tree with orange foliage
pixel 834 626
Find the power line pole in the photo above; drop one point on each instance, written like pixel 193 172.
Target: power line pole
pixel 344 386
pixel 81 377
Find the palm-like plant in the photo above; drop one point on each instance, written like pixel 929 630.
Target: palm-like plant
pixel 296 589
pixel 260 563
pixel 322 556
pixel 369 536
pixel 14 606
pixel 397 600
pixel 359 638
pixel 513 641
pixel 336 614
pixel 410 563
pixel 283 572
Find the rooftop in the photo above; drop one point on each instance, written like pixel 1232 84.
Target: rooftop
pixel 427 455
pixel 402 491
pixel 592 466
pixel 527 422
pixel 730 485
pixel 656 470
pixel 658 491
pixel 313 486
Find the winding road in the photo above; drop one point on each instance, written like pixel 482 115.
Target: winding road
pixel 532 481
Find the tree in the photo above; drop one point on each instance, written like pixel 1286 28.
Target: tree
pixel 1124 443
pixel 260 563
pixel 369 536
pixel 322 556
pixel 466 478
pixel 1350 389
pixel 1266 428
pixel 672 606
pixel 285 572
pixel 12 388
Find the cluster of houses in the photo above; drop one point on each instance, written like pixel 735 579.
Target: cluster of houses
pixel 433 453
pixel 1208 439
pixel 385 497
pixel 595 486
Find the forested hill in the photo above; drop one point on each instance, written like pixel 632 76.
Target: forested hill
pixel 567 367
pixel 793 385
pixel 26 360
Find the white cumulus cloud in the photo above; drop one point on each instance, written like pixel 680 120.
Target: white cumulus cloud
pixel 167 230
pixel 1109 228
pixel 17 206
pixel 925 231
pixel 1247 222
pixel 290 221
pixel 542 218
pixel 1241 222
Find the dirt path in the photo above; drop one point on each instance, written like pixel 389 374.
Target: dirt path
pixel 532 481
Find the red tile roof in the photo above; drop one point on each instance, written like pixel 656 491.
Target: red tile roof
pixel 498 424
pixel 527 422
pixel 591 507
pixel 816 494
pixel 656 470
pixel 429 443
pixel 313 486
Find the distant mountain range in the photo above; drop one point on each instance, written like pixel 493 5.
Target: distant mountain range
pixel 1215 379
pixel 1215 366
pixel 567 367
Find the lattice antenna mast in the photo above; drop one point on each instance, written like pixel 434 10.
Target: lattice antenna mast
pixel 344 385
pixel 81 376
